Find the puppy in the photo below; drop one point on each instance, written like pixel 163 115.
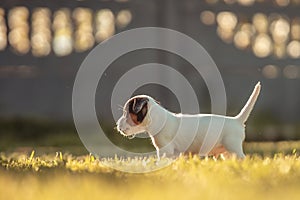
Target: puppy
pixel 173 134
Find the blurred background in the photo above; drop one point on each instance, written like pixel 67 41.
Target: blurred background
pixel 43 43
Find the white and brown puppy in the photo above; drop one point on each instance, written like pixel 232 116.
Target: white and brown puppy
pixel 181 133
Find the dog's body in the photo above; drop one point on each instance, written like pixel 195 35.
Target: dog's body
pixel 181 133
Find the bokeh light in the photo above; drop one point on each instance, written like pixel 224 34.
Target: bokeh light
pixel 291 72
pixel 274 35
pixel 246 2
pixel 41 32
pixel 208 17
pixel 62 28
pixel 260 22
pixel 242 39
pixel 295 29
pixel 262 46
pixel 279 3
pixel 296 2
pixel 293 49
pixel 3 30
pixel 123 18
pixel 105 24
pixel 227 22
pixel 225 35
pixel 270 71
pixel 282 3
pixel 266 35
pixel 279 50
pixel 84 39
pixel 18 36
pixel 280 29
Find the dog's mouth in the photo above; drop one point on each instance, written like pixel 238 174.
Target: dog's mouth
pixel 127 136
pixel 122 132
pixel 130 137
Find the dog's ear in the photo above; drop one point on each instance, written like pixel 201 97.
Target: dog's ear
pixel 138 109
pixel 136 105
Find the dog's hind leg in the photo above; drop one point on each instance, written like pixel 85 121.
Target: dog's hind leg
pixel 234 145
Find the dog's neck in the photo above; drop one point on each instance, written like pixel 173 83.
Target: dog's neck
pixel 162 128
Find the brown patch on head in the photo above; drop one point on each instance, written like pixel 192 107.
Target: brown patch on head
pixel 138 109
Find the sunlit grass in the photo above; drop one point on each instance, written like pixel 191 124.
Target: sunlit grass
pixel 64 176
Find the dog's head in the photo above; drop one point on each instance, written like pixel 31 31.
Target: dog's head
pixel 135 118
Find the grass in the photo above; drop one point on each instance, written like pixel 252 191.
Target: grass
pixel 64 176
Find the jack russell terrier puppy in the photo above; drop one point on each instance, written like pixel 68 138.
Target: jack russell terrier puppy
pixel 182 133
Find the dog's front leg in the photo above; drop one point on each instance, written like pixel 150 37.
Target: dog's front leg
pixel 164 152
pixel 168 150
pixel 157 154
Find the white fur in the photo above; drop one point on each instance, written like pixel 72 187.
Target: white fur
pixel 182 133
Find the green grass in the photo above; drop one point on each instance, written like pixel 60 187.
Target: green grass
pixel 64 176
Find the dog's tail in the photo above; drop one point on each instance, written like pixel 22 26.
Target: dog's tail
pixel 245 112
